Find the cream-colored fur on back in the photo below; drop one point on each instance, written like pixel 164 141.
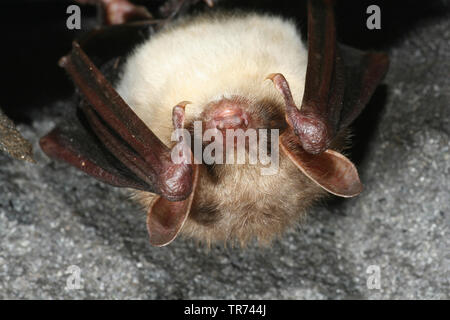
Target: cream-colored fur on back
pixel 207 58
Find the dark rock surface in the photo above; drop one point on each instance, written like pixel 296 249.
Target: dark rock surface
pixel 52 216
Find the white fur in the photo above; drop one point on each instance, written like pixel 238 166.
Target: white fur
pixel 204 59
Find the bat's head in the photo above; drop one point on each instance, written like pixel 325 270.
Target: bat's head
pixel 248 188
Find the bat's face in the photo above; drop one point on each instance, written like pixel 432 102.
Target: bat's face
pixel 235 118
pixel 234 111
pixel 251 199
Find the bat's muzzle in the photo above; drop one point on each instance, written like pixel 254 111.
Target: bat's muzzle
pixel 227 114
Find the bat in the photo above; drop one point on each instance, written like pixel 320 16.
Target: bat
pixel 239 71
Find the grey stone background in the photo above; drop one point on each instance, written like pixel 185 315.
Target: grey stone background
pixel 52 216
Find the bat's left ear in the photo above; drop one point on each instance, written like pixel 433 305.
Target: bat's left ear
pixel 330 169
pixel 166 218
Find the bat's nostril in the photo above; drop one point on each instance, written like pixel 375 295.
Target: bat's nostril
pixel 227 114
pixel 230 122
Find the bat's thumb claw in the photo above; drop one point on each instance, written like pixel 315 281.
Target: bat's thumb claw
pixel 183 104
pixel 272 76
pixel 178 114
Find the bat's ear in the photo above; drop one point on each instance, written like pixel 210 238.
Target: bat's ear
pixel 330 169
pixel 166 218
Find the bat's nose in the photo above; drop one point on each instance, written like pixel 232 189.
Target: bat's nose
pixel 230 119
pixel 227 114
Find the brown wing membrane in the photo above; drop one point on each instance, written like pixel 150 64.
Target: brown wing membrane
pixel 71 143
pixel 339 82
pixel 165 218
pixel 123 134
pixel 363 73
pixel 316 123
pixel 330 169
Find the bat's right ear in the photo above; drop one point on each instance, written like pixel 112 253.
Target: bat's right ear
pixel 331 170
pixel 166 218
